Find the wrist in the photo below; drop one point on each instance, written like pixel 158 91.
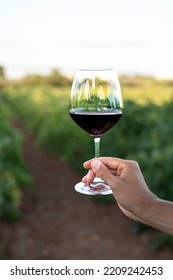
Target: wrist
pixel 157 213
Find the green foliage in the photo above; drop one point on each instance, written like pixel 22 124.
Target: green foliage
pixel 146 89
pixel 54 79
pixel 2 77
pixel 162 240
pixel 13 173
pixel 144 133
pixel 2 72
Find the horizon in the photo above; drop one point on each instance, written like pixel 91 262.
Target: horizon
pixel 70 75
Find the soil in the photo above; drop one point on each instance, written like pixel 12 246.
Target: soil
pixel 59 223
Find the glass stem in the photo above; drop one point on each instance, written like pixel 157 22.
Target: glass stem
pixel 97 150
pixel 97 146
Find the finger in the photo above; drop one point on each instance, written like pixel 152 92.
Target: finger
pixel 89 177
pixel 102 171
pixel 112 163
pixel 87 164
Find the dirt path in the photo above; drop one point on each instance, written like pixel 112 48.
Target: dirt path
pixel 58 223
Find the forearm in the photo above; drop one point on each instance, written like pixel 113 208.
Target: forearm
pixel 159 215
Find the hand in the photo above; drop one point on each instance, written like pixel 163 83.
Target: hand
pixel 126 181
pixel 131 192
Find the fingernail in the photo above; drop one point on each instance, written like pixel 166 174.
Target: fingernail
pixel 96 164
pixel 85 178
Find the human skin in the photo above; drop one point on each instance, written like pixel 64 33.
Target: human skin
pixel 131 192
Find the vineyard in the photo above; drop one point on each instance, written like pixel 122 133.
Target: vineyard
pixel 13 172
pixel 144 133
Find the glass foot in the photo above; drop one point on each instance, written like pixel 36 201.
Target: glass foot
pixel 97 187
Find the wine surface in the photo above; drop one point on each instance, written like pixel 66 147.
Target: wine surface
pixel 96 123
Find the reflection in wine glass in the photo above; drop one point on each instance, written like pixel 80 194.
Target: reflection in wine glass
pixel 96 105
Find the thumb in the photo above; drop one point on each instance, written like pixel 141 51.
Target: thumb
pixel 102 171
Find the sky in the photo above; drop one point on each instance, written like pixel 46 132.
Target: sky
pixel 134 36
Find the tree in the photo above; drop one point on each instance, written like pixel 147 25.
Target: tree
pixel 2 76
pixel 57 79
pixel 2 72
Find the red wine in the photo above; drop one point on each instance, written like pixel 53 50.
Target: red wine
pixel 96 123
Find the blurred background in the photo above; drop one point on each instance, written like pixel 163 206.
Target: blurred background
pixel 42 151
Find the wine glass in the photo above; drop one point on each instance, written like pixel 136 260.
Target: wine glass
pixel 96 105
